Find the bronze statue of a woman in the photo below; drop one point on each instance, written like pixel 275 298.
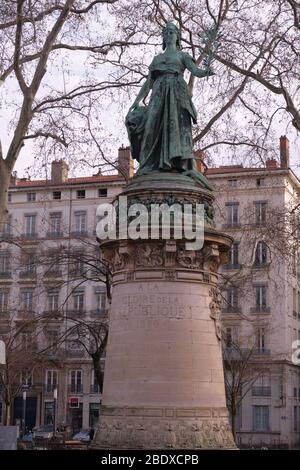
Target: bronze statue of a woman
pixel 161 133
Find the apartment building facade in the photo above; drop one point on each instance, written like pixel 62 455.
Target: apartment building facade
pixel 46 219
pixel 261 294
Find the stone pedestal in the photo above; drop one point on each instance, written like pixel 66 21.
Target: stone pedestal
pixel 163 383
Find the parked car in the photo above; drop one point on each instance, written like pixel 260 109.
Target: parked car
pixel 83 436
pixel 43 432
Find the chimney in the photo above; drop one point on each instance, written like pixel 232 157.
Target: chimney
pixel 125 162
pixel 13 179
pixel 271 163
pixel 199 157
pixel 284 152
pixel 59 171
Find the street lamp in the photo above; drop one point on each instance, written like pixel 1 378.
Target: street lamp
pixel 54 410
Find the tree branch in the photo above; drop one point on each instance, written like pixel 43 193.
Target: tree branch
pixel 47 135
pixel 18 39
pixel 221 111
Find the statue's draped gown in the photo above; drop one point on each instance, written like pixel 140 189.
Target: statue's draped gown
pixel 166 142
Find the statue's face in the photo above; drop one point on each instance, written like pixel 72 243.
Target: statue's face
pixel 170 36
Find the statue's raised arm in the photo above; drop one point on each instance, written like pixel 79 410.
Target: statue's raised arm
pixel 161 133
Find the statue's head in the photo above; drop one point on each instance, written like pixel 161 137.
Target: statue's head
pixel 176 30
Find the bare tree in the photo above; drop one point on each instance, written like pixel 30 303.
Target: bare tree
pixel 241 372
pixel 37 39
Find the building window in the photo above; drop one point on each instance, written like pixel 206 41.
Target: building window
pixel 261 416
pixel 54 264
pixel 262 386
pixel 78 300
pixel 26 341
pixel 260 298
pixel 52 340
pixel 102 192
pixel 94 413
pixel 80 222
pixel 75 377
pixel 260 182
pixel 3 300
pixel 260 212
pixel 30 225
pixel 231 336
pixel 51 380
pixel 297 419
pixel 53 299
pixel 80 194
pixel 5 264
pixel 28 267
pixel 31 197
pixel 49 412
pixel 100 296
pixel 56 194
pixel 78 263
pixel 234 255
pixel 95 387
pixel 261 340
pixel 6 227
pixel 232 214
pixel 26 378
pixel 232 299
pixel 55 224
pixel 295 302
pixel 261 254
pixel 232 183
pixel 27 300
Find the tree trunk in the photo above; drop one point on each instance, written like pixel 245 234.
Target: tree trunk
pixel 97 368
pixel 7 419
pixel 233 417
pixel 4 185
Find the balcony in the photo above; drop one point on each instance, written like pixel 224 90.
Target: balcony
pixel 6 236
pixel 30 235
pixel 49 388
pixel 95 388
pixel 261 352
pixel 53 273
pixel 76 313
pixel 26 313
pixel 231 310
pixel 4 314
pixel 79 233
pixel 5 275
pixel 229 266
pixel 29 274
pixel 262 265
pixel 236 354
pixel 262 391
pixel 260 309
pixel 74 353
pixel 75 388
pixel 54 234
pixel 99 312
pixel 231 225
pixel 53 314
